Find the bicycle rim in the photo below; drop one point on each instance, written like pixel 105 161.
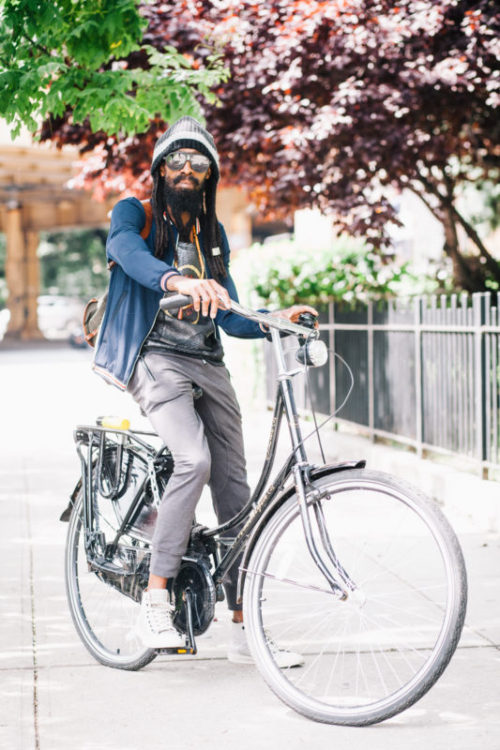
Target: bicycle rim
pixel 104 617
pixel 378 651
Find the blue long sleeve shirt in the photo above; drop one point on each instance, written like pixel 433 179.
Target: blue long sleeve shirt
pixel 135 292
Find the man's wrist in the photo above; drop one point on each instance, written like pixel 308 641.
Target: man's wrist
pixel 166 278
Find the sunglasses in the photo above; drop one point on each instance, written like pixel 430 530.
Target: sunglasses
pixel 177 159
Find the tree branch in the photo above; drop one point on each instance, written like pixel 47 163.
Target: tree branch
pixel 448 205
pixel 38 46
pixel 491 263
pixel 425 201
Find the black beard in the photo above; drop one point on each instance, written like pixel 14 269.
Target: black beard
pixel 180 201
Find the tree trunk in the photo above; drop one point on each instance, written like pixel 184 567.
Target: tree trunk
pixel 467 273
pixel 490 263
pixel 470 272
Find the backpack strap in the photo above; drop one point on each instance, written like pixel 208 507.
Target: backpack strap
pixel 148 209
pixel 146 230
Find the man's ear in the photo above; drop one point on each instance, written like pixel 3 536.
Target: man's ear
pixel 162 169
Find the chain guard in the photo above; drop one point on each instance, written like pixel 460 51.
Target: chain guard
pixel 194 574
pixel 128 573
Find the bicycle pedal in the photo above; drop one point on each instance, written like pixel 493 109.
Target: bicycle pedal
pixel 180 650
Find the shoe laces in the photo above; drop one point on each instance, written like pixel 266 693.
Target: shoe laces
pixel 159 615
pixel 273 646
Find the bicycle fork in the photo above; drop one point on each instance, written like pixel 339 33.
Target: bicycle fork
pixel 326 559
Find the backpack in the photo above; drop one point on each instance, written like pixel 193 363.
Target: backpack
pixel 96 307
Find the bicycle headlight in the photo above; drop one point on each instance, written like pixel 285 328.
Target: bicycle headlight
pixel 312 353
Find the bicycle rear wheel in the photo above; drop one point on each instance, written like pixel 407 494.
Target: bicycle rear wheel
pixel 375 653
pixel 103 616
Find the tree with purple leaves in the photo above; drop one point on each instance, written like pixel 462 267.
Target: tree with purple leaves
pixel 337 105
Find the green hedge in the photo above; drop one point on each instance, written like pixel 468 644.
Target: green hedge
pixel 282 273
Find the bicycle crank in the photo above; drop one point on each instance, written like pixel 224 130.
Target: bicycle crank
pixel 190 646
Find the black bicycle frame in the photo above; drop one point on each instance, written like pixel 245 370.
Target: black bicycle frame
pixel 296 467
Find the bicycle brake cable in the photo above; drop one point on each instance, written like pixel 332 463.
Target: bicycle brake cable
pixel 333 414
pixel 309 395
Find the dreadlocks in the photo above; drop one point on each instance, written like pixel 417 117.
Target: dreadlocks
pixel 209 224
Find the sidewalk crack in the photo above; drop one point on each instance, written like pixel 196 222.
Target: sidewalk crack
pixel 33 628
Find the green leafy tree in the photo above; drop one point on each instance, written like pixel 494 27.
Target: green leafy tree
pixel 86 60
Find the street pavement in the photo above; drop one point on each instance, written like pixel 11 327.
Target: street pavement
pixel 54 696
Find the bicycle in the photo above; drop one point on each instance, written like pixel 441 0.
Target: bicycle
pixel 353 568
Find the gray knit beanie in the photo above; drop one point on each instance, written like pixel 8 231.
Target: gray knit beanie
pixel 186 133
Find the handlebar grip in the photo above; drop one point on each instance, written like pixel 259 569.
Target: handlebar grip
pixel 174 301
pixel 307 319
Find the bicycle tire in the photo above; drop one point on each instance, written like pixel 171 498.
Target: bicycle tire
pixel 376 653
pixel 103 617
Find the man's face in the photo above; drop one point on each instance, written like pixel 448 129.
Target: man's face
pixel 185 177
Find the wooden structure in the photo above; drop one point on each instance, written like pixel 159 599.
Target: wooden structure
pixel 34 197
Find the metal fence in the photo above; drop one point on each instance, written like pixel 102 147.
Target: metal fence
pixel 426 373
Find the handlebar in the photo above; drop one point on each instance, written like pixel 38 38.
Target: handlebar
pixel 175 301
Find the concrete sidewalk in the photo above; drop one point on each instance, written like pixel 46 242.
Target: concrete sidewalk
pixel 55 696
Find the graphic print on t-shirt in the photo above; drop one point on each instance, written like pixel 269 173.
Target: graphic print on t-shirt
pixel 189 264
pixel 186 331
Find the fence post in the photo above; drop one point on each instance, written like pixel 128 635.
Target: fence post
pixel 419 401
pixel 371 384
pixel 480 301
pixel 332 360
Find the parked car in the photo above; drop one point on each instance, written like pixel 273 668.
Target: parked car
pixel 59 316
pixel 4 321
pixel 77 338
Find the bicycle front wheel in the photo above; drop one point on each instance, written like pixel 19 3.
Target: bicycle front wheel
pixel 103 616
pixel 376 652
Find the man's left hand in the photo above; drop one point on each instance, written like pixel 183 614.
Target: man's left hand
pixel 292 313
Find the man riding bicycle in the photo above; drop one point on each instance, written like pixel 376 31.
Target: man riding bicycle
pixel 173 364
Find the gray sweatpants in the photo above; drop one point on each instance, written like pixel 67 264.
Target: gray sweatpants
pixel 205 438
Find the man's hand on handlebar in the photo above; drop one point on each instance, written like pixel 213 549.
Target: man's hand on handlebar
pixel 293 314
pixel 206 293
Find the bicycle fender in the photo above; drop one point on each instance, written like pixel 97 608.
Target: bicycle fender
pixel 67 511
pixel 321 471
pixel 316 473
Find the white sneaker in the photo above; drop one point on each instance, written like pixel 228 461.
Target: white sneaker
pixel 239 653
pixel 154 625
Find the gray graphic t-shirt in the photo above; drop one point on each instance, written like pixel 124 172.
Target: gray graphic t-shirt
pixel 185 331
